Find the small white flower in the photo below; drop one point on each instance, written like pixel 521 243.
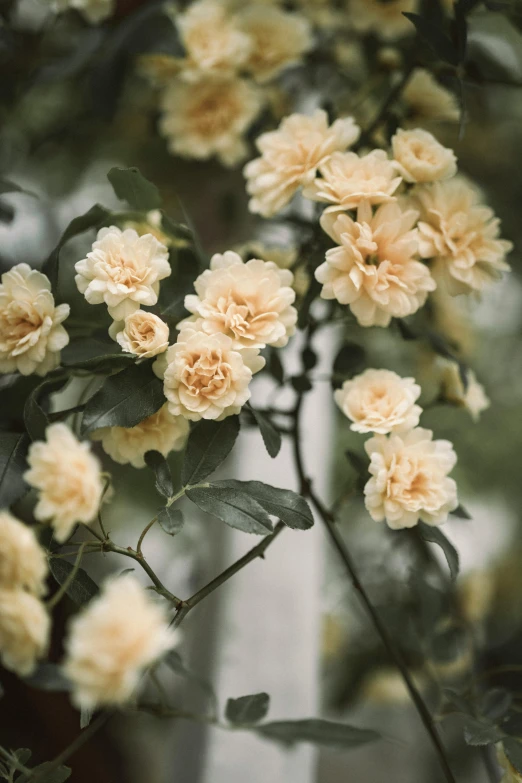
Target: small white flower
pixel 419 157
pixel 31 334
pixel 290 157
pixel 380 401
pixel 141 333
pixel 410 479
pixel 112 641
pixel 24 630
pixel 160 432
pixel 249 302
pixel 123 270
pixel 473 397
pixel 205 377
pixel 23 563
pixel 68 479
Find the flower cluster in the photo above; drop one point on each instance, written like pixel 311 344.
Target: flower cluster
pixel 24 622
pixel 211 97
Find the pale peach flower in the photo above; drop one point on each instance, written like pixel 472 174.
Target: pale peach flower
pixel 161 432
pixel 209 117
pixel 375 269
pixel 460 235
pixel 123 270
pixel 428 101
pixel 410 479
pixel 473 398
pixel 290 157
pixel 141 333
pixel 94 11
pixel 384 18
pixel 112 641
pixel 23 563
pixel 510 775
pixel 212 39
pixel 347 179
pixel 249 302
pixel 24 630
pixel 419 157
pixel 68 479
pixel 31 331
pixel 380 401
pixel 279 39
pixel 205 377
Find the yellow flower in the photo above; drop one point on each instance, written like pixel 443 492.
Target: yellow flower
pixel 22 560
pixel 24 630
pixel 419 157
pixel 141 333
pixel 428 101
pixel 385 18
pixel 31 331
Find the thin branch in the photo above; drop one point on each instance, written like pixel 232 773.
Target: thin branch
pixel 144 533
pixel 109 546
pixel 57 597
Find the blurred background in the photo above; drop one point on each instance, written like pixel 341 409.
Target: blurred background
pixel 74 101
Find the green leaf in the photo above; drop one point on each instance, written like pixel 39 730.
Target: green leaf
pixel 461 513
pixel 513 750
pixel 175 662
pixel 171 520
pixel 435 536
pixel 275 367
pixel 301 383
pixel 125 399
pixel 48 677
pixel 435 37
pixel 349 360
pixel 157 462
pixel 210 442
pixel 95 217
pixel 477 732
pixel 180 283
pixel 23 755
pixel 318 732
pixel 247 709
pixel 457 703
pixel 48 774
pixel 233 507
pixel 35 416
pixel 13 452
pixel 496 703
pixel 95 356
pixel 271 437
pixel 286 505
pixel 81 589
pixel 131 186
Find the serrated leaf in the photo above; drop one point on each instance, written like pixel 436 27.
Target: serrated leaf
pixel 435 536
pixel 93 218
pixel 13 452
pixel 435 37
pixel 233 507
pixel 157 462
pixel 171 520
pixel 35 417
pixel 131 186
pixel 513 751
pixel 82 589
pixel 477 732
pixel 271 437
pixel 49 677
pixel 210 442
pixel 247 709
pixel 318 732
pixel 125 399
pixel 48 774
pixel 286 505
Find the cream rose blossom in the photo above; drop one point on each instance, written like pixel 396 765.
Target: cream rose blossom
pixel 68 479
pixel 385 18
pixel 123 270
pixel 472 397
pixel 460 236
pixel 112 641
pixel 290 157
pixel 209 117
pixel 375 269
pixel 212 39
pixel 380 401
pixel 24 630
pixel 510 775
pixel 161 432
pixel 95 11
pixel 23 563
pixel 347 179
pixel 141 333
pixel 31 331
pixel 249 302
pixel 428 101
pixel 205 378
pixel 410 479
pixel 419 157
pixel 279 39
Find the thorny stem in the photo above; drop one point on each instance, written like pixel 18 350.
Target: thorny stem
pixel 338 542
